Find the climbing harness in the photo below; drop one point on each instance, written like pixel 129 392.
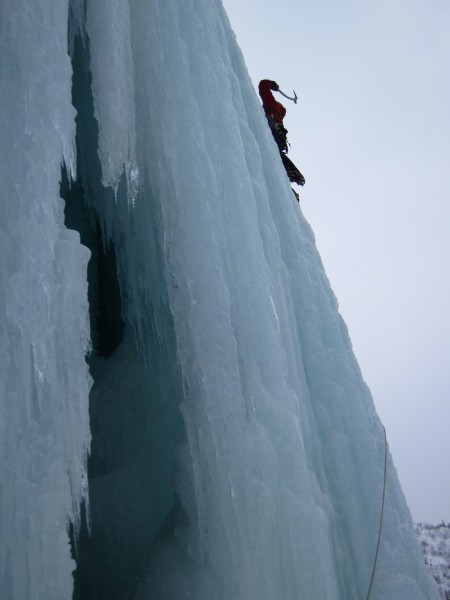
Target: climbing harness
pixel 279 133
pixel 294 99
pixel 381 516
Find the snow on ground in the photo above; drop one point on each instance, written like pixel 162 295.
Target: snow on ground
pixel 435 543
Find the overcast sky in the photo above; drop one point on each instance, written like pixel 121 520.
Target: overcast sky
pixel 371 134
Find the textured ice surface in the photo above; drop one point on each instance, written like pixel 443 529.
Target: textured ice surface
pixel 108 28
pixel 44 431
pixel 280 474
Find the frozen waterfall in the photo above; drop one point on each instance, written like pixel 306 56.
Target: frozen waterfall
pixel 161 292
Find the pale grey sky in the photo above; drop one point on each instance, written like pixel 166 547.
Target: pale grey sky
pixel 371 134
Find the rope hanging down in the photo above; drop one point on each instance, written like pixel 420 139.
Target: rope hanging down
pixel 381 516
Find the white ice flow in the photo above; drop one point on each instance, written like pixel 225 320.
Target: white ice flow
pixel 44 333
pixel 280 475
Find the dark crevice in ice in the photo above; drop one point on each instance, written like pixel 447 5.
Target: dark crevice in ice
pixel 105 306
pixel 134 416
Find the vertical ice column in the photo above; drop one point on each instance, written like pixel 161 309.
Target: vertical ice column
pixel 281 477
pixel 44 384
pixel 110 41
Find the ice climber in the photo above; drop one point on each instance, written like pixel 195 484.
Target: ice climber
pixel 275 113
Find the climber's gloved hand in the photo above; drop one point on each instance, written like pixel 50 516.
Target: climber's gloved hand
pixel 275 86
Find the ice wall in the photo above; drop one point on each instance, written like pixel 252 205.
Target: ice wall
pixel 236 451
pixel 44 383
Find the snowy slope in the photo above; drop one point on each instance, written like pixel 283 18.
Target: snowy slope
pixel 236 452
pixel 435 543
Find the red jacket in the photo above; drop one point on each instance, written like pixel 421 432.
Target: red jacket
pixel 270 105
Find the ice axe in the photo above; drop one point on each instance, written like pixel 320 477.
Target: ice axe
pixel 294 99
